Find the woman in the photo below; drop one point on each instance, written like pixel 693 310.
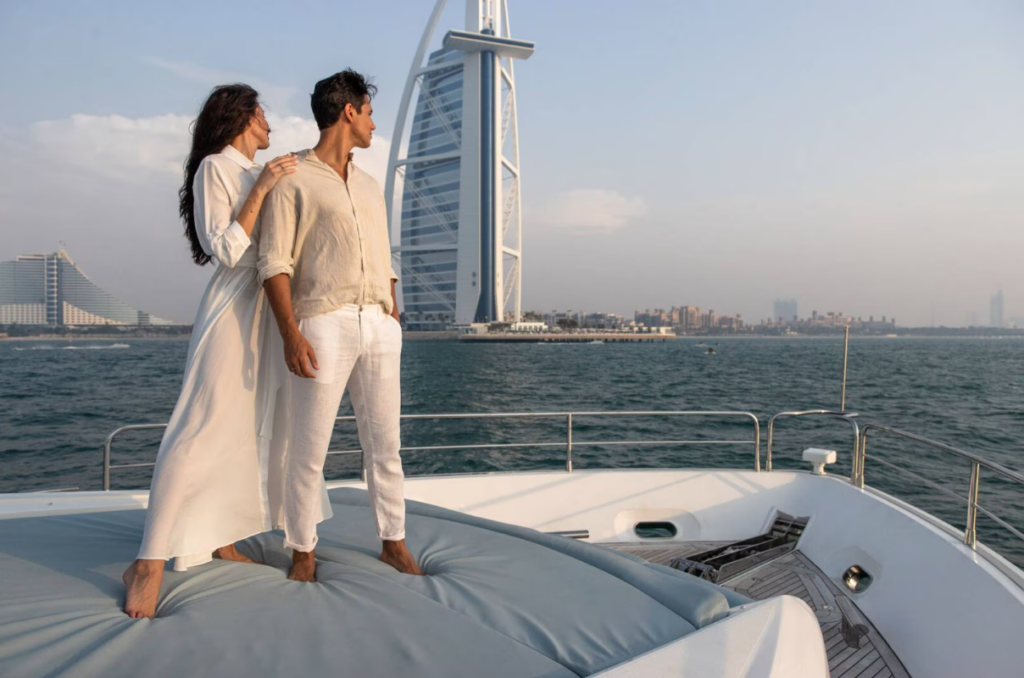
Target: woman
pixel 210 484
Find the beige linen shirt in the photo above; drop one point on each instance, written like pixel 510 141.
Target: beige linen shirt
pixel 329 236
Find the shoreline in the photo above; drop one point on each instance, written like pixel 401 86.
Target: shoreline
pixel 412 335
pixel 97 337
pixel 839 337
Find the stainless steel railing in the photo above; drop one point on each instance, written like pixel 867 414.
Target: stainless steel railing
pixel 107 467
pixel 848 416
pixel 569 444
pixel 860 436
pixel 977 463
pixel 857 475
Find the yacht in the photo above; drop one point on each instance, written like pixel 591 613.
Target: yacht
pixel 623 572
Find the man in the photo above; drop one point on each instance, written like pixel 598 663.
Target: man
pixel 325 262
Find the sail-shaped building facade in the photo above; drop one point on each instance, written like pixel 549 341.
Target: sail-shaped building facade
pixel 452 187
pixel 50 289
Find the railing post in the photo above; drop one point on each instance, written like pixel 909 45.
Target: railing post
pixel 862 466
pixel 971 532
pixel 362 465
pixel 106 464
pixel 757 446
pixel 568 444
pixel 846 358
pixel 768 448
pixel 859 451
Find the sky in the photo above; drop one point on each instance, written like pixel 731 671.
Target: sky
pixel 859 157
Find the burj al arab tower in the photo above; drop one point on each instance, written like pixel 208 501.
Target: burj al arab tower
pixel 452 187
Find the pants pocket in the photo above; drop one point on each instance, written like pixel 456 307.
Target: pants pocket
pixel 397 329
pixel 322 334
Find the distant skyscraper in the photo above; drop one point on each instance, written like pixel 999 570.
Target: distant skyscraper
pixel 689 317
pixel 49 289
pixel 458 230
pixel 995 310
pixel 785 310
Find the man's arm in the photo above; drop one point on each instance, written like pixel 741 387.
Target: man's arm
pixel 394 276
pixel 298 353
pixel 275 269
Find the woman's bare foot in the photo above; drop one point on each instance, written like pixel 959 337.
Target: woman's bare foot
pixel 397 556
pixel 142 580
pixel 229 552
pixel 303 566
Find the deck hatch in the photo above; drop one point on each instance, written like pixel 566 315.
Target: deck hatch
pixel 655 530
pixel 725 562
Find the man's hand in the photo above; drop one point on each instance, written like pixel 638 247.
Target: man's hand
pixel 299 355
pixel 394 302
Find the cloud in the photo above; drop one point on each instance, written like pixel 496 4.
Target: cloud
pixel 108 186
pixel 114 146
pixel 274 96
pixel 140 150
pixel 594 208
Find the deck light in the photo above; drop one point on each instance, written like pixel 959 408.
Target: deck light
pixel 857 579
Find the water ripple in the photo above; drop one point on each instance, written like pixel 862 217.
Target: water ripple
pixel 59 405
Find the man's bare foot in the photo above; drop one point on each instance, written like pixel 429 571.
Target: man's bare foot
pixel 303 566
pixel 142 581
pixel 397 556
pixel 229 552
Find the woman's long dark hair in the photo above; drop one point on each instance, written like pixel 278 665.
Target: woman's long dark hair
pixel 227 112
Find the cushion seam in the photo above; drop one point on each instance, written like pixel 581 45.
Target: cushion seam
pixel 514 536
pixel 466 616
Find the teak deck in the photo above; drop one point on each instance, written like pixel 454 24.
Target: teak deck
pixel 794 574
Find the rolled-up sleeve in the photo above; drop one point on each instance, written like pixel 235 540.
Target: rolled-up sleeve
pixel 277 236
pixel 221 236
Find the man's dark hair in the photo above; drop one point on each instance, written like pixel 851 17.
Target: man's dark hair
pixel 331 94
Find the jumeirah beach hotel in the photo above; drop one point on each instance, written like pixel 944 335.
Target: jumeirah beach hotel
pixel 49 289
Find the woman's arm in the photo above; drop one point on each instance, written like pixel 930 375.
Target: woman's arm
pixel 220 235
pixel 223 237
pixel 272 171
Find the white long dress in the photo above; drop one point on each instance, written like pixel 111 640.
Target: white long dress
pixel 219 472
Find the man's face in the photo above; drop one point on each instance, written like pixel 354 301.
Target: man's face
pixel 260 129
pixel 362 124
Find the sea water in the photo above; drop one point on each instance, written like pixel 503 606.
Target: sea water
pixel 59 401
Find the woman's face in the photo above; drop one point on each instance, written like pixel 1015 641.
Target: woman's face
pixel 260 129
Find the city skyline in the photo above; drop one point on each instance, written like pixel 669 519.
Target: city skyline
pixel 50 289
pixel 785 311
pixel 18 302
pixel 31 284
pixel 865 157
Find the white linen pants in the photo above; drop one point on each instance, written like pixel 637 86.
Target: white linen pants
pixel 361 348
